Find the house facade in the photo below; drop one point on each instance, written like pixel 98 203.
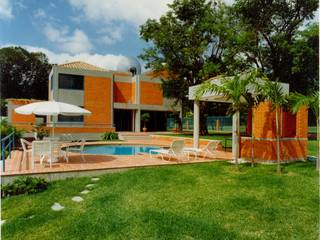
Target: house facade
pixel 116 100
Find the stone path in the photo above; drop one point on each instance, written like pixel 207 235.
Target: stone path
pixel 77 199
pixel 58 207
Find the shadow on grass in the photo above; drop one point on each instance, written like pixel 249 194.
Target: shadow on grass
pixel 167 225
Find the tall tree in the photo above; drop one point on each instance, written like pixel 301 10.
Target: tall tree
pixel 23 74
pixel 188 43
pixel 273 92
pixel 237 90
pixel 270 38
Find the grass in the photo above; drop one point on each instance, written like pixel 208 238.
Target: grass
pixel 312 147
pixel 199 201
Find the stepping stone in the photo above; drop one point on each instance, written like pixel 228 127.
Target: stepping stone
pixel 90 185
pixel 57 207
pixel 85 192
pixel 95 179
pixel 77 199
pixel 2 222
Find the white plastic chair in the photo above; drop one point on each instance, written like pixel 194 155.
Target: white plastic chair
pixel 26 148
pixel 42 148
pixel 175 150
pixel 209 149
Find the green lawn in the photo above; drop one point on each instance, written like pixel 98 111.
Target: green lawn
pixel 199 201
pixel 312 147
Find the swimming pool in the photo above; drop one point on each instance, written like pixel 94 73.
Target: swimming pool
pixel 117 149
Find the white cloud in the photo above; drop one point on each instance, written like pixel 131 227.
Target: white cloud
pixel 76 42
pixel 111 35
pixel 5 9
pixel 133 12
pixel 107 61
pixel 40 13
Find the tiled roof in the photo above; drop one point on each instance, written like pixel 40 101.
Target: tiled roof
pixel 78 65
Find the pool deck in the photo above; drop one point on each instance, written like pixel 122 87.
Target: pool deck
pixel 16 167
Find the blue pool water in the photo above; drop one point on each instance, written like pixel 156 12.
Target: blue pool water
pixel 117 149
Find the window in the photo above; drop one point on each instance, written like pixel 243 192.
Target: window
pixel 62 118
pixel 68 81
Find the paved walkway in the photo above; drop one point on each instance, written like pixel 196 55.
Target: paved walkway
pixel 15 165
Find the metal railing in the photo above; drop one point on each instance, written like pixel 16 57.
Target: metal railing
pixel 7 145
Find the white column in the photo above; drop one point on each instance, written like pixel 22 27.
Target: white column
pixel 235 125
pixel 196 123
pixel 137 121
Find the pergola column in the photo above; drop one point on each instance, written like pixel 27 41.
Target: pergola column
pixel 196 123
pixel 235 139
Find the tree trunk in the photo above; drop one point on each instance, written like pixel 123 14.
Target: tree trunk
pixel 318 148
pixel 252 139
pixel 239 139
pixel 278 140
pixel 203 126
pixel 203 121
pixel 180 123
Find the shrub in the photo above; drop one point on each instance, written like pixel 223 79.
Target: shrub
pixel 24 185
pixel 7 128
pixel 107 136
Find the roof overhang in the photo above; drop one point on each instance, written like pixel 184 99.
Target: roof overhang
pixel 215 97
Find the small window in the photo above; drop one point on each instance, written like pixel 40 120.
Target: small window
pixel 68 81
pixel 62 118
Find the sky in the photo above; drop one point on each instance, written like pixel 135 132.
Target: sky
pixel 96 31
pixel 100 32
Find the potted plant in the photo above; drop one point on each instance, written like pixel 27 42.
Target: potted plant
pixel 145 117
pixel 40 132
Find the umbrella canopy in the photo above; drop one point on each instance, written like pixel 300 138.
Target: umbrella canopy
pixel 52 108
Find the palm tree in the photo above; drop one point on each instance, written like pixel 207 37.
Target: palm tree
pixel 273 92
pixel 297 100
pixel 236 90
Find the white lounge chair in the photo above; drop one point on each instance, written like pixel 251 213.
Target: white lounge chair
pixel 79 149
pixel 209 149
pixel 175 150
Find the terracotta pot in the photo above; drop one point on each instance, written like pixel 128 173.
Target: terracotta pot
pixel 144 129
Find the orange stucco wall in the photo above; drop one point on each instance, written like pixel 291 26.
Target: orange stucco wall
pixel 293 140
pixel 97 99
pixel 151 93
pixel 264 121
pixel 265 150
pixel 124 92
pixel 21 121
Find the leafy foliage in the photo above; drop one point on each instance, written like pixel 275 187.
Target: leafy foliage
pixel 24 74
pixel 235 89
pixel 272 40
pixel 6 129
pixel 297 100
pixel 108 136
pixel 145 117
pixel 40 131
pixel 24 185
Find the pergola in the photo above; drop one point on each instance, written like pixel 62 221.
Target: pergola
pixel 215 97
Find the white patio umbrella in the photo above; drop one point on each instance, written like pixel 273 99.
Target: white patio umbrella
pixel 52 108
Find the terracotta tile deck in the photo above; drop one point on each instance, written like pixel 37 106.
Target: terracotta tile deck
pixel 15 165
